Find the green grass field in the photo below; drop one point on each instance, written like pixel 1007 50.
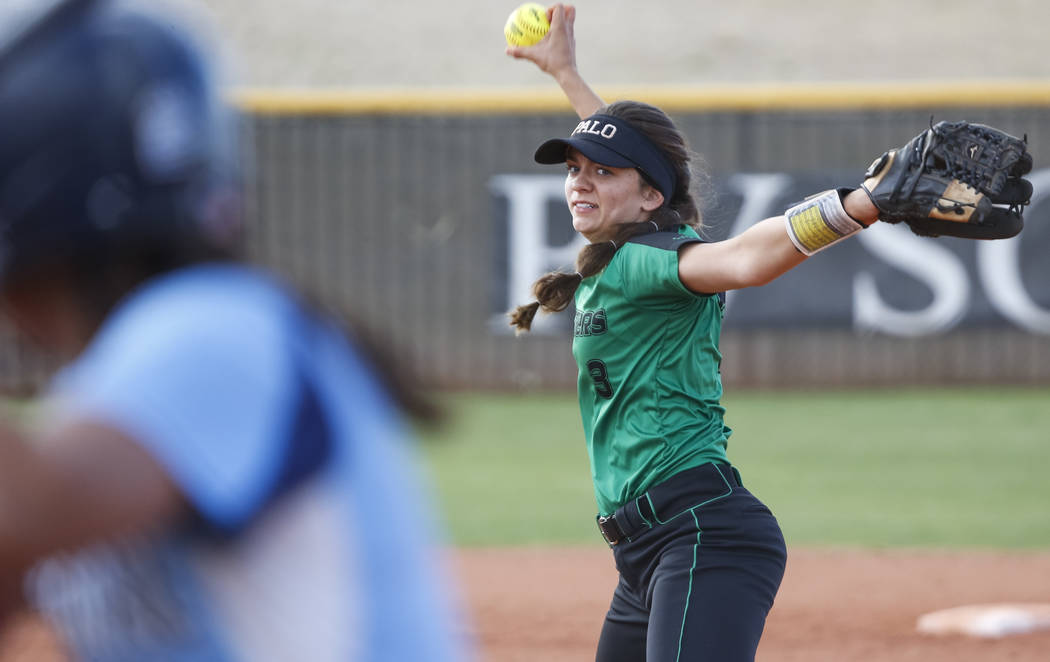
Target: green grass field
pixel 931 468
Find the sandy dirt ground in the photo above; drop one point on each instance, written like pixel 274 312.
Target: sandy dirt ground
pixel 834 606
pixel 417 43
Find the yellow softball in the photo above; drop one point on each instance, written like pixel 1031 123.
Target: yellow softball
pixel 527 25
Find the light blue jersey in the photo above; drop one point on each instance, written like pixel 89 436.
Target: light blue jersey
pixel 310 540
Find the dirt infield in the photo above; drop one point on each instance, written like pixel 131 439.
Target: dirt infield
pixel 320 43
pixel 540 604
pixel 834 605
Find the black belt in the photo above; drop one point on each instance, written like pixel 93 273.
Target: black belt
pixel 679 492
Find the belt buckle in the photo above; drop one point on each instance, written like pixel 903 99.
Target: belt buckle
pixel 609 527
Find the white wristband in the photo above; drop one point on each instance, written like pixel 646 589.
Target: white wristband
pixel 819 221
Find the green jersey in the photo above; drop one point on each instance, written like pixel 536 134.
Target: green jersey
pixel 649 382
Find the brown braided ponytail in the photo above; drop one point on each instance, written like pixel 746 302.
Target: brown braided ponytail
pixel 554 291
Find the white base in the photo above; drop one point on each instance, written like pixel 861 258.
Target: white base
pixel 990 621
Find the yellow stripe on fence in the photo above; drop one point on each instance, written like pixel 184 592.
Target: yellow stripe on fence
pixel 725 97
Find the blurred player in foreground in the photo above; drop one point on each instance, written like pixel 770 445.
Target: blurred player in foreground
pixel 226 475
pixel 700 558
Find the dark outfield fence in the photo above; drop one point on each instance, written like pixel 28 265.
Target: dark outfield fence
pixel 426 216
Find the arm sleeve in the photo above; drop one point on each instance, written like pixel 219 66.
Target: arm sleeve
pixel 205 386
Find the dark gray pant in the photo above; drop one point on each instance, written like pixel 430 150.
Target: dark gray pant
pixel 698 573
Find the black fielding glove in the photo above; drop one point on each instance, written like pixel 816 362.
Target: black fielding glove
pixel 956 179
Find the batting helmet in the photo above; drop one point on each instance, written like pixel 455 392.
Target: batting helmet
pixel 113 138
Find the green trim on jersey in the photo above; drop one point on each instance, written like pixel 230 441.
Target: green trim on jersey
pixel 649 381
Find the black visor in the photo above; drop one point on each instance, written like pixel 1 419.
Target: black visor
pixel 613 142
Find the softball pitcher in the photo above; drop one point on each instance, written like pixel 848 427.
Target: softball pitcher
pixel 226 474
pixel 700 558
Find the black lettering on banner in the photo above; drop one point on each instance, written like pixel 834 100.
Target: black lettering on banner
pixel 597 371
